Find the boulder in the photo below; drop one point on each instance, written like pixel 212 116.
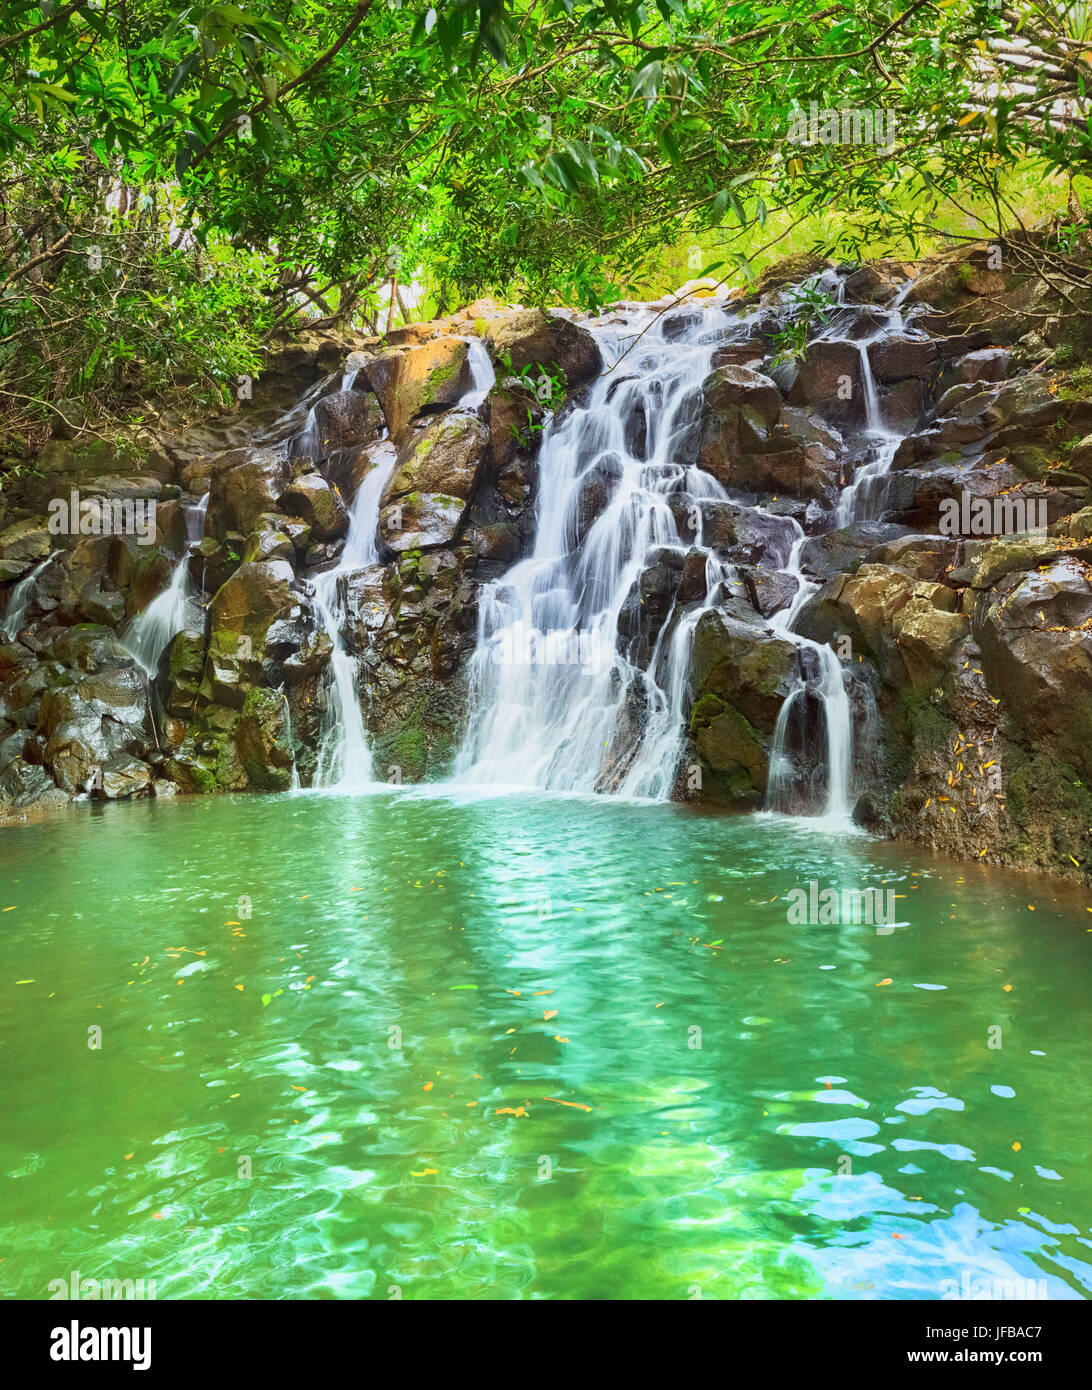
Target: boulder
pixel 731 386
pixel 240 493
pixel 830 380
pixel 406 379
pixel 444 458
pixel 534 338
pixel 124 777
pixel 835 552
pixel 22 546
pixel 895 357
pixel 1037 655
pixel 338 421
pixel 311 498
pixel 240 616
pixel 741 676
pixel 261 739
pixel 27 790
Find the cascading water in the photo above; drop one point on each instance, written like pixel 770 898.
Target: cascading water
pixel 560 697
pixel 558 701
pixel 344 757
pixel 482 375
pixel 861 500
pixel 151 631
pixel 19 601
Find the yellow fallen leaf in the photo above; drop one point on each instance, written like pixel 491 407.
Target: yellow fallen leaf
pixel 575 1105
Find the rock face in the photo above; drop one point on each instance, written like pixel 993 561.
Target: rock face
pixel 741 676
pixel 967 656
pixel 532 338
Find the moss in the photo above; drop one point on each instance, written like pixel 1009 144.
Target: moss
pixel 261 700
pixel 1032 462
pixel 1075 386
pixel 444 374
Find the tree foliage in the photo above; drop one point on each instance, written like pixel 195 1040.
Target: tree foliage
pixel 179 181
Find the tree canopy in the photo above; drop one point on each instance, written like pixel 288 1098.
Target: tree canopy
pixel 177 181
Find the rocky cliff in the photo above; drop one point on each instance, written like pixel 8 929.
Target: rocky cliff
pixel 968 657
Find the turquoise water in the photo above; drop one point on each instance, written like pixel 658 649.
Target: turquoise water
pixel 453 1045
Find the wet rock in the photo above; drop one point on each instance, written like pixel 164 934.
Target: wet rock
pixel 514 417
pixel 262 741
pixel 76 745
pixel 741 676
pixel 1037 654
pixel 830 381
pixel 444 458
pixel 985 364
pixel 311 498
pixel 27 791
pixel 597 486
pixel 918 557
pixel 731 386
pixel 241 493
pixel 23 546
pixel 89 648
pixel 406 379
pixel 894 357
pixel 339 421
pixel 421 520
pixel 875 283
pixel 927 637
pixel 805 428
pixel 124 777
pixel 745 354
pixel 182 664
pixel 770 592
pixel 255 597
pixel 531 338
pixel 835 552
pixel 743 664
pixel 268 541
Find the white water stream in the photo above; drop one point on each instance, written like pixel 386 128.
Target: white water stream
pixel 19 601
pixel 151 631
pixel 555 700
pixel 344 756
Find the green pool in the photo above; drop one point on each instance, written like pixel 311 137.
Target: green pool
pixel 409 1045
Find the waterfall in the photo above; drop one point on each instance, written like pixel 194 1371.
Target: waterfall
pixel 830 688
pixel 150 632
pixel 295 786
pixel 560 697
pixel 344 758
pixel 482 376
pixel 19 600
pixel 862 500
